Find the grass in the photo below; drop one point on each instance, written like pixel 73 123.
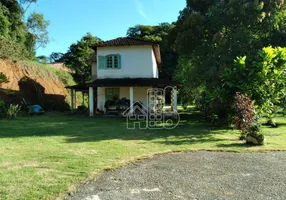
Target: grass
pixel 44 156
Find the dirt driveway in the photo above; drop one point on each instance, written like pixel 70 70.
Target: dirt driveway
pixel 193 175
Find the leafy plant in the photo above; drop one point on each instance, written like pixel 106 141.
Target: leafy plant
pixel 212 34
pixel 244 117
pixel 253 135
pixel 13 110
pixel 246 121
pixel 3 78
pixel 267 85
pixel 2 108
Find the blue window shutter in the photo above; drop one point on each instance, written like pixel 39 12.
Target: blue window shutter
pixel 119 61
pixel 101 62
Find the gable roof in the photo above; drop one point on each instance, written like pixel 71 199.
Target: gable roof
pixel 143 110
pixel 128 41
pixel 124 41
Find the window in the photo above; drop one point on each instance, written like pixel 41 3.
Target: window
pixel 109 62
pixel 112 61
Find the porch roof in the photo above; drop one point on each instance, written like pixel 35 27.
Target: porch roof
pixel 126 82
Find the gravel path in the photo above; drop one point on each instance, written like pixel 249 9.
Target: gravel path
pixel 193 175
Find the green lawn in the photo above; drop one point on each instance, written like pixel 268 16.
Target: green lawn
pixel 45 156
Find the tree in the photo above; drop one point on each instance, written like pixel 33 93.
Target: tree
pixel 38 28
pixel 43 59
pixel 28 3
pixel 212 34
pixel 158 34
pixel 267 85
pixel 77 58
pixel 56 57
pixel 16 37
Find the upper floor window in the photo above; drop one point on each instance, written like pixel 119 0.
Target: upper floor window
pixel 109 62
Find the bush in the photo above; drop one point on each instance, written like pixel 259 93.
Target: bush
pixel 246 121
pixel 12 49
pixel 3 78
pixel 3 109
pixel 13 110
pixel 244 114
pixel 253 135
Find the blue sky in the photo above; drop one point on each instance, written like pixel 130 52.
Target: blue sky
pixel 106 19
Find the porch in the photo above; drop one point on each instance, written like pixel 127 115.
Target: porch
pixel 118 95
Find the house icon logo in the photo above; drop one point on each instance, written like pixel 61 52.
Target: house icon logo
pixel 153 117
pixel 136 116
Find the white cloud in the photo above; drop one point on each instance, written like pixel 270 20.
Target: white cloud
pixel 140 9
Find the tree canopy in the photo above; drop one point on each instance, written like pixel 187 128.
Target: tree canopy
pixel 209 35
pixel 20 38
pixel 78 57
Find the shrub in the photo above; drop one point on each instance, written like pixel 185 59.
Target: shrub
pixel 3 109
pixel 253 135
pixel 13 110
pixel 246 121
pixel 244 113
pixel 3 78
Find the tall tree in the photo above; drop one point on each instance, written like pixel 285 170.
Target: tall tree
pixel 38 28
pixel 56 57
pixel 77 58
pixel 16 38
pixel 211 34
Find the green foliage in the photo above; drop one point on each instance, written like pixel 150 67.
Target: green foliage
pixel 43 59
pixel 17 37
pixel 211 34
pixel 3 109
pixel 254 137
pixel 158 34
pixel 246 121
pixel 78 58
pixel 3 78
pixel 56 57
pixel 261 76
pixel 13 110
pixel 38 28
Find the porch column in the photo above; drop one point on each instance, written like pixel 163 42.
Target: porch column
pixel 91 102
pixel 72 100
pixel 131 100
pixel 175 99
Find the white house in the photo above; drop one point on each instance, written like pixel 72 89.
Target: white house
pixel 123 71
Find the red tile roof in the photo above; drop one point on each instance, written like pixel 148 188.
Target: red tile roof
pixel 124 41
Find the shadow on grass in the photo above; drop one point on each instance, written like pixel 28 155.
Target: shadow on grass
pixel 78 129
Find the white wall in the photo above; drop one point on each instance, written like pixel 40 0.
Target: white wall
pixel 136 62
pixel 140 94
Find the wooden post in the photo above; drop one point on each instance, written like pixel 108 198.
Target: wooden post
pixel 131 99
pixel 91 102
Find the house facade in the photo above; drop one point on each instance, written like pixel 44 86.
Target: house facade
pixel 123 72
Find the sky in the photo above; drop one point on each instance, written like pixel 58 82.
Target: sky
pixel 106 19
